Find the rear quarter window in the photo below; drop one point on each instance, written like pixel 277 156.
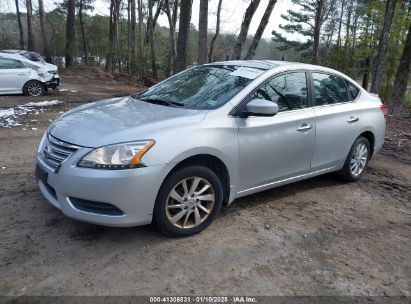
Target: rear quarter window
pixel 353 89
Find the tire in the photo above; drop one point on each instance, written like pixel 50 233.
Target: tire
pixel 174 201
pixel 34 88
pixel 357 160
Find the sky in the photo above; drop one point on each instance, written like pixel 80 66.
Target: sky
pixel 231 14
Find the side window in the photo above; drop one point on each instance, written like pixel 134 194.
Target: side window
pixel 289 91
pixel 329 89
pixel 354 90
pixel 10 64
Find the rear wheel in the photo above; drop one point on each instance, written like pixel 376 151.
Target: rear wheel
pixel 34 88
pixel 188 201
pixel 357 160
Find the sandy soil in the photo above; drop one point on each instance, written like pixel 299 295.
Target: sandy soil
pixel 316 237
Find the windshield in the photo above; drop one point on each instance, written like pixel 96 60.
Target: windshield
pixel 32 56
pixel 203 87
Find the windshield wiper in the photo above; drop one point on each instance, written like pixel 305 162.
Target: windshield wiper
pixel 163 102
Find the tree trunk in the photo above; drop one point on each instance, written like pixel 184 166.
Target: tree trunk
pixel 83 35
pixel 317 30
pixel 150 35
pixel 154 19
pixel 202 32
pixel 340 24
pixel 71 11
pixel 140 39
pixel 133 36
pixel 183 34
pixel 401 79
pixel 260 30
pixel 46 43
pixel 217 32
pixel 347 29
pixel 128 36
pixel 365 79
pixel 379 63
pixel 114 16
pixel 245 25
pixel 171 24
pixel 20 25
pixel 31 38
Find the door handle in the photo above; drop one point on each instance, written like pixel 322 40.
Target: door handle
pixel 304 127
pixel 21 74
pixel 353 119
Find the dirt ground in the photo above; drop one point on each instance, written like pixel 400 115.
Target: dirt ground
pixel 316 237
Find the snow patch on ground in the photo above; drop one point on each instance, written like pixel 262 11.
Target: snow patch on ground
pixel 45 103
pixel 10 117
pixel 6 113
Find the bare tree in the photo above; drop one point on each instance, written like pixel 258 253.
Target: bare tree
pixel 260 30
pixel 171 17
pixel 114 18
pixel 150 35
pixel 401 79
pixel 245 25
pixel 183 34
pixel 317 30
pixel 20 25
pixel 31 38
pixel 71 12
pixel 202 32
pixel 46 42
pixel 83 35
pixel 217 32
pixel 140 38
pixel 154 18
pixel 340 23
pixel 133 35
pixel 379 63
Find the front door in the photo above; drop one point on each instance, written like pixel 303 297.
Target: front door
pixel 13 75
pixel 278 147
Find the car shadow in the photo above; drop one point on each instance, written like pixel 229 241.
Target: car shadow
pixel 281 192
pixel 84 232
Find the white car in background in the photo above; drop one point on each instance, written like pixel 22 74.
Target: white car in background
pixel 19 75
pixel 32 56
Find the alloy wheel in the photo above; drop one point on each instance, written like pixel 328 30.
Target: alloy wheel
pixel 34 89
pixel 190 202
pixel 359 159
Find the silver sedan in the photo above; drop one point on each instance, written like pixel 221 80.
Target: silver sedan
pixel 174 154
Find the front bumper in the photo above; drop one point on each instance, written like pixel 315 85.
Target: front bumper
pixel 132 191
pixel 53 82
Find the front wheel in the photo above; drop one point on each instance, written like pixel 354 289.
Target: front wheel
pixel 34 88
pixel 188 201
pixel 357 160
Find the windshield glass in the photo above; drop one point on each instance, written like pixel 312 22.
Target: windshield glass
pixel 203 87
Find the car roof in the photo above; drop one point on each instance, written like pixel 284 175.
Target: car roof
pixel 11 56
pixel 12 51
pixel 280 65
pixel 20 58
pixel 273 64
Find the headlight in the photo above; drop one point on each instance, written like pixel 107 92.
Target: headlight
pixel 120 156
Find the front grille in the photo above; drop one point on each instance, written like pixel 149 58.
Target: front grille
pixel 55 151
pixel 95 207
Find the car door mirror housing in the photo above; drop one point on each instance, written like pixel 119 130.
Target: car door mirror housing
pixel 260 107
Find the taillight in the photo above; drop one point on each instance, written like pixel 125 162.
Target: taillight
pixel 384 109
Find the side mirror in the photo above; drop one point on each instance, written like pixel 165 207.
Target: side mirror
pixel 261 107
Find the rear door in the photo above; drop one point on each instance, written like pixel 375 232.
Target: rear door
pixel 13 75
pixel 337 120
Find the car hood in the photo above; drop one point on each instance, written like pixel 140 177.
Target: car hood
pixel 50 67
pixel 119 120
